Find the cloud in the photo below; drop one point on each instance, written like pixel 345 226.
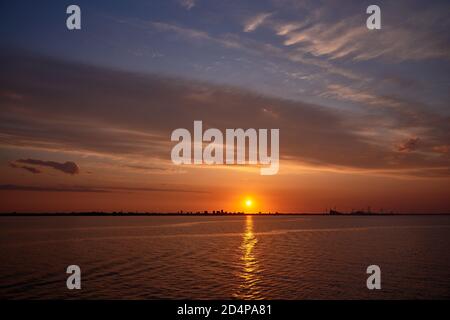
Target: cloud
pixel 27 168
pixel 443 149
pixel 420 34
pixel 399 112
pixel 156 189
pixel 10 95
pixel 254 22
pixel 348 93
pixel 145 168
pixel 188 33
pixel 249 46
pixel 283 29
pixel 187 4
pixel 132 116
pixel 15 187
pixel 409 145
pixel 68 167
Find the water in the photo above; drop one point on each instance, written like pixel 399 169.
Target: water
pixel 225 257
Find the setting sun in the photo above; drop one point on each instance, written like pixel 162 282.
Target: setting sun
pixel 249 204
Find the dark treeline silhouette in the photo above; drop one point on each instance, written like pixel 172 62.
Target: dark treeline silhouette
pixel 131 213
pixel 353 212
pixel 331 212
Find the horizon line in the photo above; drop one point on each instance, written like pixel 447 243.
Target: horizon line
pixel 130 214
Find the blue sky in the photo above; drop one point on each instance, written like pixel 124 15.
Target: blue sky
pixel 276 47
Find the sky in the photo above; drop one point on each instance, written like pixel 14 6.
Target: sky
pixel 86 115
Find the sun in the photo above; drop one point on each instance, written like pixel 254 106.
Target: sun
pixel 248 203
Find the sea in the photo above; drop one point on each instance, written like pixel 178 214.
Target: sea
pixel 294 257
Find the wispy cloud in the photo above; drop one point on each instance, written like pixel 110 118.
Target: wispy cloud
pixel 249 46
pixel 283 29
pixel 189 33
pixel 89 189
pixel 413 39
pixel 254 22
pixel 187 4
pixel 26 168
pixel 68 167
pixel 409 145
pixel 14 187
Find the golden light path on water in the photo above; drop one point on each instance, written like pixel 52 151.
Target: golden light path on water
pixel 248 289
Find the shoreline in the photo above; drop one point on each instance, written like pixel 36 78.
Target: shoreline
pixel 148 214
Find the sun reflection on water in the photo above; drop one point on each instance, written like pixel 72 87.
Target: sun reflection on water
pixel 248 289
